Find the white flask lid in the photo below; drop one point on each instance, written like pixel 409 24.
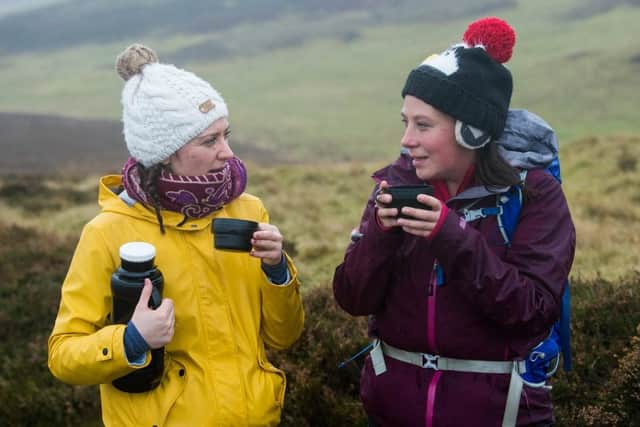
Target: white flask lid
pixel 137 252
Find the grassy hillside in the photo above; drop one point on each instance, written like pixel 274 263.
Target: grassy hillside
pixel 316 207
pixel 327 86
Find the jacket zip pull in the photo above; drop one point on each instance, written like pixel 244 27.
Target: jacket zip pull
pixel 436 278
pixel 439 273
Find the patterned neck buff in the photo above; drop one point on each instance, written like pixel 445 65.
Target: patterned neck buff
pixel 192 196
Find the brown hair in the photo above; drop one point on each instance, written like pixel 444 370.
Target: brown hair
pixel 493 170
pixel 148 182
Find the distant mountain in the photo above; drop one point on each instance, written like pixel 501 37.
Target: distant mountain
pixel 74 22
pixel 44 25
pixel 8 7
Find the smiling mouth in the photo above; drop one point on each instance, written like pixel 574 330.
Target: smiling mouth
pixel 418 158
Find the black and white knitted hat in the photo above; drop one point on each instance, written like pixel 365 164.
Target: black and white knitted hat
pixel 468 81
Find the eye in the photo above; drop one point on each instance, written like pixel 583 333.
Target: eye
pixel 227 133
pixel 405 122
pixel 423 125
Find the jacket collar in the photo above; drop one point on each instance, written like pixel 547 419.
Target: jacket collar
pixel 109 200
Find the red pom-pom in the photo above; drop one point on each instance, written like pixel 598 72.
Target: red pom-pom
pixel 494 34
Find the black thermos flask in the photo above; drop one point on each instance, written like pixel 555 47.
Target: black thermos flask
pixel 137 264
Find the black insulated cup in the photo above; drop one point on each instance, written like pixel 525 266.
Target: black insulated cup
pixel 233 234
pixel 137 263
pixel 407 195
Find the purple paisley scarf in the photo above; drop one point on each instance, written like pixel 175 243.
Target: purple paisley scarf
pixel 193 196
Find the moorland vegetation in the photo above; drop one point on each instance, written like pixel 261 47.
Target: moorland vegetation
pixel 314 94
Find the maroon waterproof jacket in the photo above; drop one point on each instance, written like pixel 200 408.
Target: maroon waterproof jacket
pixel 497 302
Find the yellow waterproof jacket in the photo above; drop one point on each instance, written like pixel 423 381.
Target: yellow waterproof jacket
pixel 216 372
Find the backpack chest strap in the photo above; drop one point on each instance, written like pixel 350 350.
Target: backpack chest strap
pixel 506 210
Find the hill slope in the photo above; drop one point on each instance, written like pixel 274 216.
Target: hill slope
pixel 59 25
pixel 324 83
pixel 43 144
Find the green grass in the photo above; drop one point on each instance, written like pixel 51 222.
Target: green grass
pixel 332 100
pixel 317 206
pixel 316 209
pixel 602 184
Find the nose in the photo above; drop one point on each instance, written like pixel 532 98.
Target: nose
pixel 225 152
pixel 408 141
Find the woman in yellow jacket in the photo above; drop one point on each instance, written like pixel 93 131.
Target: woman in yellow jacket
pixel 219 308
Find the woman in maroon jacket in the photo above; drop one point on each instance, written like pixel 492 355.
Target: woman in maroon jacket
pixel 454 309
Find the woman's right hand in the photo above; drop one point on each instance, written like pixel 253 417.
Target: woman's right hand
pixel 156 326
pixel 387 217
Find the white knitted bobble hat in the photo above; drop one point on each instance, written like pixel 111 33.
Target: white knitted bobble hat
pixel 163 107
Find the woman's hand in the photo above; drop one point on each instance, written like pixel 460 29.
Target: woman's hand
pixel 387 217
pixel 422 221
pixel 267 244
pixel 156 326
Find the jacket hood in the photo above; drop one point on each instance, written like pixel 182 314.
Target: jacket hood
pixel 110 200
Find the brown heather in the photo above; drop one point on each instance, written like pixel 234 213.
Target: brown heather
pixel 316 207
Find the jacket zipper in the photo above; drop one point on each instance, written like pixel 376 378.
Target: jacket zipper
pixel 431 308
pixel 431 342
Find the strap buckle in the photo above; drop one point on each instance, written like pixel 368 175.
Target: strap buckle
pixel 430 361
pixel 471 215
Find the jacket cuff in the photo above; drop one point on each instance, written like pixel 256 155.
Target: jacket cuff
pixel 277 274
pixel 135 347
pixel 291 274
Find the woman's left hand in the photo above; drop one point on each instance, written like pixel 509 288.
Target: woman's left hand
pixel 422 221
pixel 267 244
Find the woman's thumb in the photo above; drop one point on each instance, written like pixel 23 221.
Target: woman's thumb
pixel 145 294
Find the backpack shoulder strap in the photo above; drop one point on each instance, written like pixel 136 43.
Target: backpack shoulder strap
pixel 510 204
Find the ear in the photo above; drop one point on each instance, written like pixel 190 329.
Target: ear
pixel 471 137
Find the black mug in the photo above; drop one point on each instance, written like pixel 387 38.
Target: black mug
pixel 406 195
pixel 233 234
pixel 137 264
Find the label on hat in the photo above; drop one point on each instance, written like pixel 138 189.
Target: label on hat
pixel 207 106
